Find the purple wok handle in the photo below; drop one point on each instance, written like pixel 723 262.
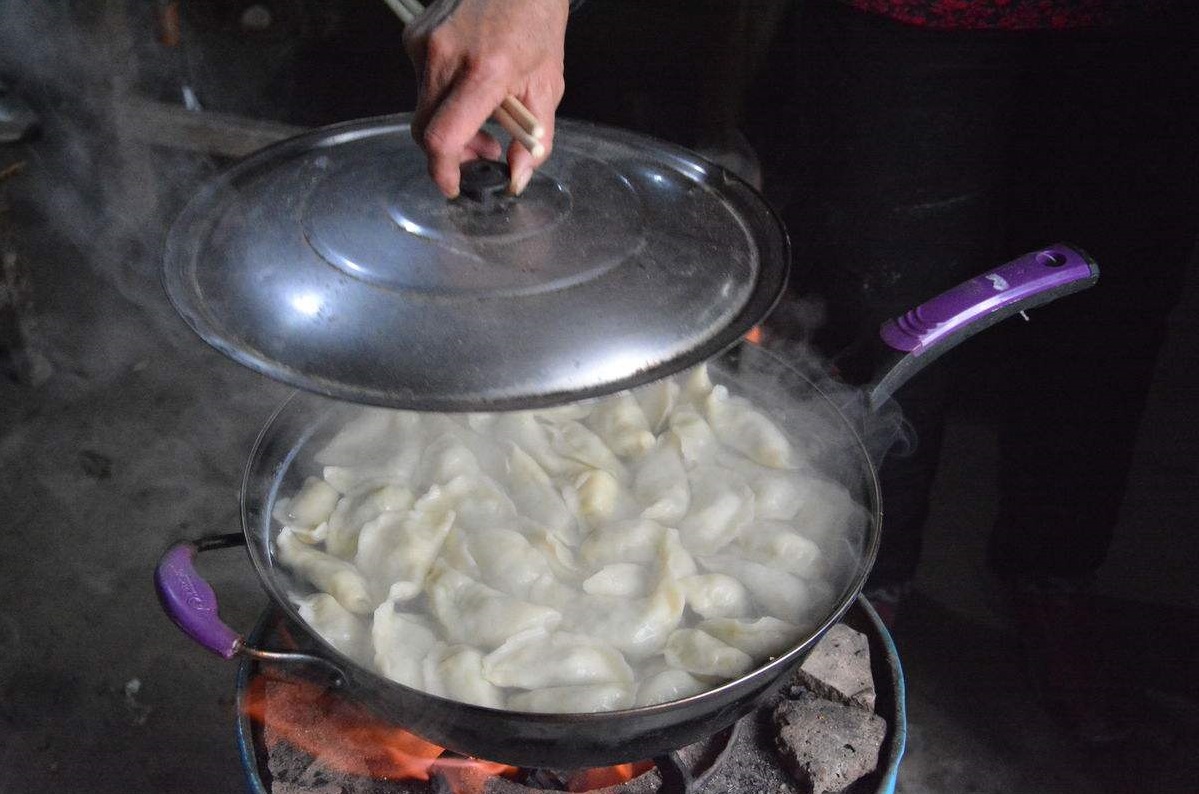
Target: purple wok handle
pixel 190 602
pixel 922 334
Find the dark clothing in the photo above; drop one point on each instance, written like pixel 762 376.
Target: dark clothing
pixel 925 156
pixel 1018 14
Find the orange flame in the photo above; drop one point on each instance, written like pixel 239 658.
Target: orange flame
pixel 348 739
pixel 755 335
pixel 602 777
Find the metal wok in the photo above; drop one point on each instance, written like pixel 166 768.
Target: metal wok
pixel 828 428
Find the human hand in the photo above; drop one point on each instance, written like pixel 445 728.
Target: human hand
pixel 470 55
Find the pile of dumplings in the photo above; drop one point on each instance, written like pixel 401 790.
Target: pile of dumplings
pixel 623 552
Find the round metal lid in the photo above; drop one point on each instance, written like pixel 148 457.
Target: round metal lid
pixel 331 262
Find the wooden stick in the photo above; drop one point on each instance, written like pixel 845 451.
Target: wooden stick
pixel 512 114
pixel 506 120
pixel 523 116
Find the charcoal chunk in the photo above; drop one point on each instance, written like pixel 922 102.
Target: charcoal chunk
pixel 839 668
pixel 827 745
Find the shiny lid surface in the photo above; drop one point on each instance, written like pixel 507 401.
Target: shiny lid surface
pixel 331 262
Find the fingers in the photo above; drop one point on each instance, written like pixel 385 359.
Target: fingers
pixel 455 125
pixel 542 101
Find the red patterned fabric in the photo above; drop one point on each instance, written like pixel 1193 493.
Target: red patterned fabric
pixel 1011 14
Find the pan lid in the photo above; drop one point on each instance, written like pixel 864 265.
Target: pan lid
pixel 331 262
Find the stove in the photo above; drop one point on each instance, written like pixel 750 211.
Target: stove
pixel 282 717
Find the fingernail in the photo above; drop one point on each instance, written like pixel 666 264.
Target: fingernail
pixel 520 182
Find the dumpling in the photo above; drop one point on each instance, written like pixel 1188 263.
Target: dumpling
pixel 620 423
pixel 310 507
pixel 353 512
pixel 336 625
pixel 657 401
pixel 396 549
pixel 445 459
pixel 537 659
pixel 575 442
pixel 573 699
pixel 690 432
pixel 402 641
pixel 778 493
pixel 522 429
pixel 827 512
pixel 674 561
pixel 598 498
pixel 479 502
pixel 637 627
pixel 660 483
pixel 562 559
pixel 716 595
pixel 537 499
pixel 627 579
pixel 742 427
pixel 456 672
pixel 327 573
pixel 377 446
pixel 777 593
pixel 571 412
pixel 472 613
pixel 508 562
pixel 702 654
pixel 764 638
pixel 636 540
pixel 777 545
pixel 697 384
pixel 720 507
pixel 668 686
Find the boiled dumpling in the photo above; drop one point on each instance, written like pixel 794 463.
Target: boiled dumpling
pixel 657 401
pixel 522 429
pixel 396 549
pixel 472 613
pixel 693 437
pixel 777 593
pixel 478 502
pixel 742 427
pixel 446 459
pixel 574 699
pixel 697 384
pixel 402 641
pixel 598 498
pixel 575 442
pixel 456 672
pixel 720 507
pixel 310 507
pixel 621 425
pixel 716 595
pixel 507 561
pixel 627 579
pixel 636 540
pixel 538 658
pixel 327 573
pixel 336 625
pixel 702 654
pixel 638 627
pixel 763 638
pixel 377 446
pixel 779 546
pixel 537 499
pixel 668 686
pixel 353 512
pixel 674 561
pixel 660 483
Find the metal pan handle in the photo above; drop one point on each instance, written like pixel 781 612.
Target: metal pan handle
pixel 921 335
pixel 191 604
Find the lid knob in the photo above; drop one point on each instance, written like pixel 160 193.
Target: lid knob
pixel 483 181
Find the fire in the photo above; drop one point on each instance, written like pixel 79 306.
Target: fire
pixel 602 777
pixel 348 739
